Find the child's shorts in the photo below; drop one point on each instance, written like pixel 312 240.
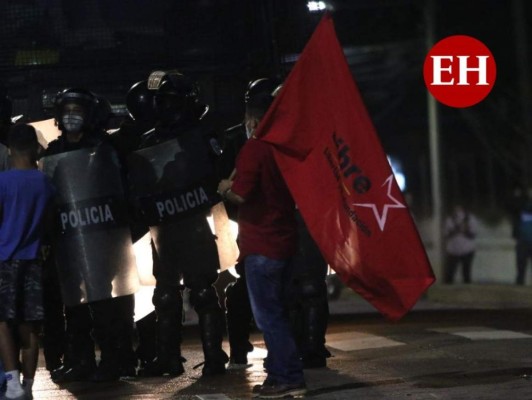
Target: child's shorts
pixel 21 290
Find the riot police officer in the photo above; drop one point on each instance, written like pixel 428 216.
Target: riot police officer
pixel 308 304
pixel 92 244
pixel 140 106
pixel 172 179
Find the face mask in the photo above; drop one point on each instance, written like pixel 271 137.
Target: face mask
pixel 73 122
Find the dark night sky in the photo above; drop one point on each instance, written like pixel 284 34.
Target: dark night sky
pixel 109 44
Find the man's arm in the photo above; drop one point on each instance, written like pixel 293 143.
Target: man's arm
pixel 245 179
pixel 224 189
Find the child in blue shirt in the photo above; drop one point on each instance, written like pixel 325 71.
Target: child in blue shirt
pixel 25 195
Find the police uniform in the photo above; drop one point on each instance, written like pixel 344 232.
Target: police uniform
pixel 93 266
pixel 175 193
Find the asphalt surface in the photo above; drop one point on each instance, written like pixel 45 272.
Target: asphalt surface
pixel 440 350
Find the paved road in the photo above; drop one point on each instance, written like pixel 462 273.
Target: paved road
pixel 435 352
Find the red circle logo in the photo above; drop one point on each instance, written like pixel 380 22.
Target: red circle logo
pixel 459 71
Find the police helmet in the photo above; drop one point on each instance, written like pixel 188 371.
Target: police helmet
pixel 177 99
pixel 140 102
pixel 83 98
pixel 260 95
pixel 261 87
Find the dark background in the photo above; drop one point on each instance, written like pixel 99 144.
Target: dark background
pixel 107 45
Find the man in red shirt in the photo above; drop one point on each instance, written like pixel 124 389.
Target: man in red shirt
pixel 267 239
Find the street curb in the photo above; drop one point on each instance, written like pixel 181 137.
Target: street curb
pixel 491 296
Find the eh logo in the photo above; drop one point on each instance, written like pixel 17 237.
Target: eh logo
pixel 360 183
pixel 459 71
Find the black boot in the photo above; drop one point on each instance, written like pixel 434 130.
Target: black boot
pixel 171 366
pixel 54 323
pixel 80 360
pixel 117 361
pixel 147 333
pixel 113 331
pixel 314 352
pixel 211 326
pixel 168 303
pixel 239 317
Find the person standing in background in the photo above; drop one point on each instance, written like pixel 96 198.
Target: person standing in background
pixel 522 232
pixel 460 229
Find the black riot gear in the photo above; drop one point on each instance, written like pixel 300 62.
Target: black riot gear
pixel 88 176
pixel 140 102
pixel 173 185
pixel 76 110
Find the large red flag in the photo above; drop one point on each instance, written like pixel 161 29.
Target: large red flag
pixel 333 162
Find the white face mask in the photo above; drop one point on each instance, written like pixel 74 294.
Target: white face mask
pixel 73 122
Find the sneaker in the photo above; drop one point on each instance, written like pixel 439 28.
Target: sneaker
pixel 257 388
pixel 279 391
pixel 15 396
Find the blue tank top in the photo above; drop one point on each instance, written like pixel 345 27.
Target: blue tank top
pixel 24 196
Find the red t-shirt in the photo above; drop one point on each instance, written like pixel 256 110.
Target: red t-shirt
pixel 266 221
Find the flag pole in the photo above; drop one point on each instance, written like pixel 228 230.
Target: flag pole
pixel 435 163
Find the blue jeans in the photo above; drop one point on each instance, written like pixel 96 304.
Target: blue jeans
pixel 266 280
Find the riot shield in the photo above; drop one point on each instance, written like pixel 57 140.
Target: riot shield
pixel 169 183
pixel 173 189
pixel 94 252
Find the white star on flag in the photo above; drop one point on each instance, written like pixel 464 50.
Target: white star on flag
pixel 381 219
